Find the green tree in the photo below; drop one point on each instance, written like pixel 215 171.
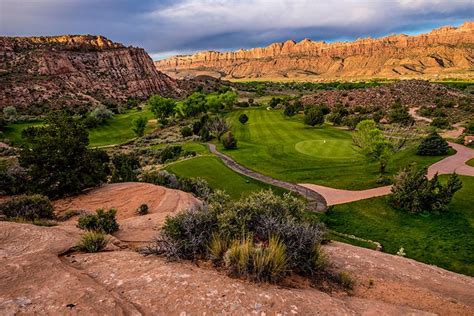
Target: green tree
pixel 57 158
pixel 214 103
pixel 372 143
pixel 125 168
pixel 229 141
pixel 228 99
pixel 194 104
pixel 413 192
pixel 338 114
pixel 162 107
pixel 139 125
pixel 290 110
pixel 440 122
pixel 314 116
pixel 243 118
pixel 433 145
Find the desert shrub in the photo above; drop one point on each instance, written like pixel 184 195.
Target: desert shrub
pixel 198 186
pixel 314 116
pixel 243 118
pixel 257 261
pixel 433 145
pixel 413 192
pixel 139 125
pixel 273 102
pixel 142 209
pixel 399 114
pixel 28 207
pixel 92 242
pixel 186 131
pixel 161 177
pixel 261 237
pixel 229 141
pixel 125 168
pixel 10 113
pixel 440 122
pixel 290 110
pixel 190 232
pixel 170 153
pixel 102 221
pixel 301 240
pixel 13 180
pixel 337 114
pixel 101 114
pixel 204 134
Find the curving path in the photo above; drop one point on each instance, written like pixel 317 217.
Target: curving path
pixel 320 197
pixel 455 163
pixel 316 201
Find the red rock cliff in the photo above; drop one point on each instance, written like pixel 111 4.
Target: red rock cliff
pixel 73 70
pixel 447 50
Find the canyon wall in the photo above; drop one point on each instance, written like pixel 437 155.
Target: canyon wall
pixel 444 52
pixel 39 73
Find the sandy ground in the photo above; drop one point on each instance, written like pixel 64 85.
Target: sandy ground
pixel 39 276
pixel 455 163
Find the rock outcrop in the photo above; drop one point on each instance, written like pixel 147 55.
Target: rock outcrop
pixel 41 275
pixel 444 52
pixel 39 73
pixel 408 92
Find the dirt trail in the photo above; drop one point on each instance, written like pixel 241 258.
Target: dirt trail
pixel 455 163
pixel 37 278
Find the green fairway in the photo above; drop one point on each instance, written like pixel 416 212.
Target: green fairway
pixel 213 170
pixel 117 130
pixel 13 131
pixel 287 149
pixel 470 162
pixel 445 240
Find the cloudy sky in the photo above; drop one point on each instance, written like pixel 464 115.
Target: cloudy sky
pixel 168 27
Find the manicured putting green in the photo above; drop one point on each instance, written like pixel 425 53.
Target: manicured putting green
pixel 286 149
pixel 321 148
pixel 445 239
pixel 219 176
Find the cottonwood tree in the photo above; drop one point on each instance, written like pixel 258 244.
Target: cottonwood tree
pixel 218 126
pixel 314 116
pixel 161 107
pixel 372 143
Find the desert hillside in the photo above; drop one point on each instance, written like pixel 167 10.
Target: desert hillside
pixel 444 52
pixel 75 70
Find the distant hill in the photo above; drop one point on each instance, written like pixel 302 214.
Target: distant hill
pixel 39 73
pixel 444 52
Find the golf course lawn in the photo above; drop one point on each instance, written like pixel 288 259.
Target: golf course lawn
pixel 445 240
pixel 286 149
pixel 219 176
pixel 470 162
pixel 117 130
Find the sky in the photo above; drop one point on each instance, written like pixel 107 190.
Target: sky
pixel 166 27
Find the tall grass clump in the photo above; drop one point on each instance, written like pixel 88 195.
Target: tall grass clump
pixel 92 242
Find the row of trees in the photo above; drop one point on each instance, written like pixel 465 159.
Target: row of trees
pixel 194 105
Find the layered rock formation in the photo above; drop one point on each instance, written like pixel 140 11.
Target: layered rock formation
pixel 447 51
pixel 50 72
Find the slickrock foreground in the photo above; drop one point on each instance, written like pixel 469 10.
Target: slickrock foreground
pixel 444 52
pixel 40 275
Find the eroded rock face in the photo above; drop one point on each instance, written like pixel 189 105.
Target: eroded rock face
pixel 446 51
pixel 73 70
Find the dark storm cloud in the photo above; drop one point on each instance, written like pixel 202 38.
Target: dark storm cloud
pixel 167 27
